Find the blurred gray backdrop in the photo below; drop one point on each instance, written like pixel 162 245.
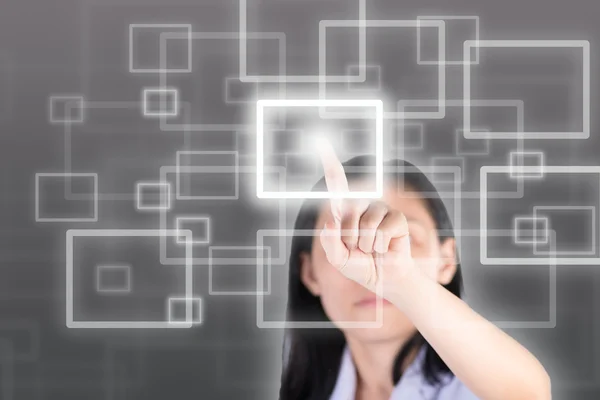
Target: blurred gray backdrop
pixel 81 47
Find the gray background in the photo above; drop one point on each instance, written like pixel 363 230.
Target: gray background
pixel 54 46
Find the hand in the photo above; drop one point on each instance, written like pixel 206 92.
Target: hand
pixel 367 242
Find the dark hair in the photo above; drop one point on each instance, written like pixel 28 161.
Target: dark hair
pixel 312 357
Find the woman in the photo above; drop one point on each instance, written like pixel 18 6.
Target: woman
pixel 430 345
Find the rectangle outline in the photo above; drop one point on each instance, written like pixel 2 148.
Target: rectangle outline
pixel 263 103
pixel 71 234
pixel 484 259
pixel 583 44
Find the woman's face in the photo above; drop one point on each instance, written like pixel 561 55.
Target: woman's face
pixel 346 300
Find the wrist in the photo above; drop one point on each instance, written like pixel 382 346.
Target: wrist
pixel 403 289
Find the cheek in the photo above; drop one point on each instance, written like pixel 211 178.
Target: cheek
pixel 337 293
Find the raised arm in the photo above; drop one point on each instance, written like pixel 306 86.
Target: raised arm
pixel 488 361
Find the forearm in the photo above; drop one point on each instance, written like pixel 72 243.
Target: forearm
pixel 487 360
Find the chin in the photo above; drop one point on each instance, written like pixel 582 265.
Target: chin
pixel 395 326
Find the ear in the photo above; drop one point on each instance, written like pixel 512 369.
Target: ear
pixel 307 274
pixel 447 267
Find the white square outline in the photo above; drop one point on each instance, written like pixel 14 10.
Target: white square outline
pixel 165 259
pixel 243 51
pixel 583 44
pixel 526 171
pixel 188 301
pixel 228 262
pixel 225 169
pixel 73 233
pixel 187 27
pixel 262 104
pixel 260 321
pixel 39 175
pixel 71 101
pixel 449 18
pixel 534 220
pixel 568 253
pixel 192 218
pixel 140 185
pixel 501 169
pixel 168 91
pixel 440 102
pixel 99 270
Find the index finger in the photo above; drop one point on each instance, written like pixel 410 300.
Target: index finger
pixel 335 177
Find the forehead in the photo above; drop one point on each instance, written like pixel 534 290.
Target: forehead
pixel 404 199
pixel 408 201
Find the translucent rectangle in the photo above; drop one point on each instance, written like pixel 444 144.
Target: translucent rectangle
pixel 586 179
pixel 377 105
pixel 123 234
pixel 584 45
pixel 65 184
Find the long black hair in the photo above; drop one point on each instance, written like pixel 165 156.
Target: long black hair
pixel 312 357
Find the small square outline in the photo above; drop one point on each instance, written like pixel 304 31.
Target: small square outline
pixel 103 267
pixel 525 171
pixel 72 101
pixel 188 301
pixel 170 91
pixel 140 185
pixel 520 219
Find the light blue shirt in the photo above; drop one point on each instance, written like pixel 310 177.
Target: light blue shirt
pixel 412 384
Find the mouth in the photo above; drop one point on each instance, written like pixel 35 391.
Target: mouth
pixel 371 301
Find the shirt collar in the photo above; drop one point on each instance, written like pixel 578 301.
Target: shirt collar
pixel 412 384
